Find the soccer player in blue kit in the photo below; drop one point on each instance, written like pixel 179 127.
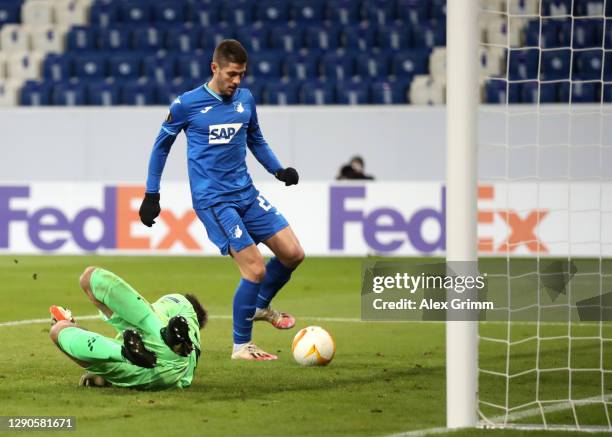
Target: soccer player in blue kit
pixel 220 122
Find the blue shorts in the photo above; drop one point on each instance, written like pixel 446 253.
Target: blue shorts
pixel 240 225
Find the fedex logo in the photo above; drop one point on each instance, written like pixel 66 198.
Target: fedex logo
pixel 50 228
pixel 378 223
pixel 223 133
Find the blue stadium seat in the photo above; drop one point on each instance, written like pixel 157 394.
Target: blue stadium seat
pixel 353 92
pixel 280 92
pixel 103 14
pixel 170 12
pixel 607 73
pixel 302 65
pixel 438 10
pixel 317 92
pixel 272 11
pixel 555 64
pixel 35 93
pixel 338 65
pixel 581 92
pixel 91 66
pixel 125 66
pixel 321 37
pixel 81 38
pixel 374 64
pixel 498 91
pixel 57 67
pixel 10 13
pixel 160 68
pixel 523 64
pixel 565 32
pixel 588 65
pixel 265 64
pixel 114 38
pixel 359 37
pixel 168 91
pixel 204 14
pixel 428 35
pixel 607 93
pixel 407 63
pixel 212 36
pixel 254 38
pixel 307 11
pixel 390 91
pixel 588 33
pixel 547 38
pixel 138 92
pixel 413 11
pixel 556 7
pixel 588 7
pixel 135 12
pixel 608 35
pixel 544 93
pixel 394 37
pixel 103 93
pixel 288 38
pixel 255 86
pixel 344 12
pixel 378 12
pixel 182 39
pixel 194 66
pixel 238 12
pixel 149 38
pixel 69 93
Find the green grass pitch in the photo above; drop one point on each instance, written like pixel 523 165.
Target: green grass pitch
pixel 387 377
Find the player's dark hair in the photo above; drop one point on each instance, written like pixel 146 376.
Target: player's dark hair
pixel 201 313
pixel 230 50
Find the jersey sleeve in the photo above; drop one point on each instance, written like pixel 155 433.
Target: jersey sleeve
pixel 170 128
pixel 258 145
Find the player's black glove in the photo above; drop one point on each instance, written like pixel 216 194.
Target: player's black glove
pixel 149 209
pixel 288 175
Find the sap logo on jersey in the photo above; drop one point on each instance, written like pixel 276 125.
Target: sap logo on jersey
pixel 223 133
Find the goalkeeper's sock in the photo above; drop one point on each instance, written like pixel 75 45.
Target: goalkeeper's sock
pixel 277 275
pixel 244 309
pixel 89 346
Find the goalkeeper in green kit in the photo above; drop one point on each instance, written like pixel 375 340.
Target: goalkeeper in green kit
pixel 158 345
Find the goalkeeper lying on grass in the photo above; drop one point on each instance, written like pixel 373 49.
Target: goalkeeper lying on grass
pixel 161 341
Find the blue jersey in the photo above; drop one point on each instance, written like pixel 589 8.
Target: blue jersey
pixel 218 132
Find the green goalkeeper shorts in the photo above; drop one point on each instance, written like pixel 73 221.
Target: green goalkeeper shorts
pixel 172 370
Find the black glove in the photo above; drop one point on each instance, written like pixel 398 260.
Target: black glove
pixel 288 175
pixel 149 209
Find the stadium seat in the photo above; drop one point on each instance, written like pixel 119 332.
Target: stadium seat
pixel 438 10
pixel 280 92
pixel 272 11
pixel 57 67
pixel 588 65
pixel 338 65
pixel 167 92
pixel 524 7
pixel 373 64
pixel 135 12
pixel 353 92
pixel 394 37
pixel 103 93
pixel 48 39
pixel 496 31
pixel 588 7
pixel 288 38
pixel 316 92
pixel 555 64
pixel 343 12
pixel 413 11
pixel 37 13
pixel 265 65
pixel 390 91
pixel 13 38
pixel 238 13
pixel 320 37
pixel 24 65
pixel 424 90
pixel 254 38
pixel 71 93
pixel 170 12
pixel 91 66
pixel 307 11
pixel 428 35
pixel 71 12
pixel 408 63
pixel 498 91
pixel 194 66
pixel 160 68
pixel 588 33
pixel 103 14
pixel 556 8
pixel 534 92
pixel 523 64
pixel 607 73
pixel 35 93
pixel 10 13
pixel 580 92
pixel 607 93
pixel 212 36
pixel 9 93
pixel 378 12
pixel 138 92
pixel 149 38
pixel 182 39
pixel 437 62
pixel 203 14
pixel 114 38
pixel 125 66
pixel 301 65
pixel 547 37
pixel 358 37
pixel 81 38
pixel 255 86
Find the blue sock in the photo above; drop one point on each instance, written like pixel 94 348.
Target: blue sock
pixel 244 308
pixel 276 276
